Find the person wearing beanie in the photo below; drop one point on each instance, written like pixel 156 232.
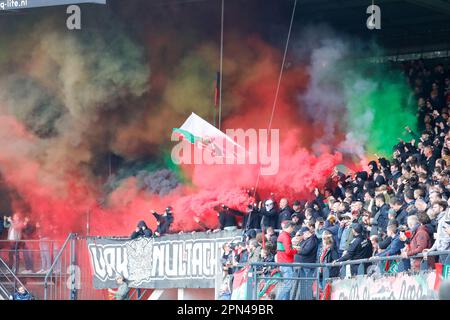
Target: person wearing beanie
pixel 359 248
pixel 308 246
pixel 307 253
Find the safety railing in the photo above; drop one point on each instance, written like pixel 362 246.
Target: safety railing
pixel 60 279
pixel 304 281
pixel 9 282
pixel 137 294
pixel 32 258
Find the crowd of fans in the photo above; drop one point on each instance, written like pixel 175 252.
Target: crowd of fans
pixel 397 207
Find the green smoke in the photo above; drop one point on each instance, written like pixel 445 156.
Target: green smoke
pixel 368 102
pixel 377 108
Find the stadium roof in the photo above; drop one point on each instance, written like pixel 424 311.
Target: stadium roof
pixel 406 25
pixel 27 4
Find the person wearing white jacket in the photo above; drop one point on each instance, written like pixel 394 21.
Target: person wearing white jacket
pixel 442 235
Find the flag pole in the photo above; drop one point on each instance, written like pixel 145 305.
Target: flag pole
pixel 216 95
pixel 221 63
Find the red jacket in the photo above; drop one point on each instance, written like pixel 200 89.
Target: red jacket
pixel 420 240
pixel 285 252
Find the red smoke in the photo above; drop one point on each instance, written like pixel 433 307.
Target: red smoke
pixel 54 197
pixel 299 173
pixel 53 176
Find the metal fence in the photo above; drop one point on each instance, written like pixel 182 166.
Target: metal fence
pixel 61 279
pixel 42 265
pixel 307 281
pixel 8 281
pixel 29 256
pixel 52 270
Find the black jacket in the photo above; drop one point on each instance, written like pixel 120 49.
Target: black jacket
pixel 29 231
pixel 146 232
pixel 227 218
pixel 270 218
pixel 383 244
pixel 301 216
pixel 252 220
pixel 430 162
pixel 331 256
pixel 394 177
pixel 284 214
pixel 402 215
pixel 164 222
pixel 359 248
pixel 308 250
pixel 379 180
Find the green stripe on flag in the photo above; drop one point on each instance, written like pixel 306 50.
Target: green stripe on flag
pixel 187 135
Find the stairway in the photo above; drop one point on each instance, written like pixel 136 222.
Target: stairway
pixel 9 282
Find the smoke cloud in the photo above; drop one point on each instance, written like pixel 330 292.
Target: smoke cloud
pixel 86 118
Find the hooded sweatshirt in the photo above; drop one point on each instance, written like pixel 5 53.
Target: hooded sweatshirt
pixel 146 232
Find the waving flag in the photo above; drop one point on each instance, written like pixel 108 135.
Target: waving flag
pixel 200 132
pixel 240 283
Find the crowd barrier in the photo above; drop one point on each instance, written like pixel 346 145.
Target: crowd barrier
pixel 311 281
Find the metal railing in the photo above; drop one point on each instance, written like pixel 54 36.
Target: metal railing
pixel 60 280
pixel 68 273
pixel 30 252
pixel 9 282
pixel 137 294
pixel 306 280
